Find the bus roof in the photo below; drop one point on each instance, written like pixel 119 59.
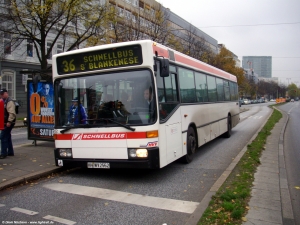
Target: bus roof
pixel 191 62
pixel 172 55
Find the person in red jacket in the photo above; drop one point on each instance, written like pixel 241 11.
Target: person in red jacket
pixel 9 123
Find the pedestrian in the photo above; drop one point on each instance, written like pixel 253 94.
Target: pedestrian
pixel 73 117
pixel 9 123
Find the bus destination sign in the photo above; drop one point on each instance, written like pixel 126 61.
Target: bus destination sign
pixel 100 59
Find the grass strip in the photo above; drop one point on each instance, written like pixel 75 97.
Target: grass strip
pixel 230 204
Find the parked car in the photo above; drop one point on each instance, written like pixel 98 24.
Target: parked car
pixel 292 100
pixel 260 100
pixel 246 101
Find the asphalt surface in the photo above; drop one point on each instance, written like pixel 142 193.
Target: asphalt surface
pixel 270 201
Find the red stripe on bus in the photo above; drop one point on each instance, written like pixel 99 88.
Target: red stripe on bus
pixel 197 64
pixel 64 136
pixel 203 67
pixel 161 51
pixel 84 136
pixel 136 135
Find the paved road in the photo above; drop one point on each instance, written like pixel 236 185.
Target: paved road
pixel 292 154
pixel 172 195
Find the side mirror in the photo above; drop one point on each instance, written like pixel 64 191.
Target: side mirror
pixel 164 68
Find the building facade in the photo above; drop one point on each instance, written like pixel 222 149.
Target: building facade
pixel 251 75
pixel 180 28
pixel 262 65
pixel 16 61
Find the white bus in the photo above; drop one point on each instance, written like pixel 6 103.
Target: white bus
pixel 142 105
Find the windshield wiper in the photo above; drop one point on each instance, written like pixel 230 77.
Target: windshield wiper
pixel 77 126
pixel 111 120
pixel 123 125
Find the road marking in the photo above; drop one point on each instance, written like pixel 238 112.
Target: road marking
pixel 1 205
pixel 125 197
pixel 19 133
pixel 252 117
pixel 25 211
pixel 59 220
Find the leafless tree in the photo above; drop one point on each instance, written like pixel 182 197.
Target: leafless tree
pixel 137 25
pixel 157 24
pixel 71 22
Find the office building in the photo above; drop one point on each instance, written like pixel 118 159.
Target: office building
pixel 261 65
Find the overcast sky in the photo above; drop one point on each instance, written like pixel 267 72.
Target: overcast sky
pixel 241 25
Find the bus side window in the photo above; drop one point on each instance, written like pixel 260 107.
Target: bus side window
pixel 160 89
pixel 201 87
pixel 212 88
pixel 187 85
pixel 167 95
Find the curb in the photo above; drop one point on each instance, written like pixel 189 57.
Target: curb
pixel 29 177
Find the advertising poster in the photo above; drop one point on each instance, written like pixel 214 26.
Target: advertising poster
pixel 40 113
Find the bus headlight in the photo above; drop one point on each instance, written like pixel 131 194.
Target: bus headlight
pixel 65 152
pixel 137 153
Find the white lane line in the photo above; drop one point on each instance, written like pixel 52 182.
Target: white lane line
pixel 25 211
pixel 1 205
pixel 125 197
pixel 19 133
pixel 59 220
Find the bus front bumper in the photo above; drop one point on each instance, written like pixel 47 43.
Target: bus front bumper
pixel 152 162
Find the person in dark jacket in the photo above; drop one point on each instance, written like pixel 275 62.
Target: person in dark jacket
pixel 150 104
pixel 9 123
pixel 73 117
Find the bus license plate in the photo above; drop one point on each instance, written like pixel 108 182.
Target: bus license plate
pixel 98 165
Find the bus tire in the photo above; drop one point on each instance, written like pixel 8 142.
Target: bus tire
pixel 191 145
pixel 227 134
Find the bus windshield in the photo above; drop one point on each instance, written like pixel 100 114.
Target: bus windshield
pixel 113 99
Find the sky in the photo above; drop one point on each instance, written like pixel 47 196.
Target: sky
pixel 250 28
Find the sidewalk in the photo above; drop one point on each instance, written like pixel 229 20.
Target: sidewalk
pixel 30 162
pixel 270 202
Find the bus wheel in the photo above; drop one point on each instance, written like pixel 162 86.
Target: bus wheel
pixel 227 134
pixel 191 146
